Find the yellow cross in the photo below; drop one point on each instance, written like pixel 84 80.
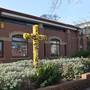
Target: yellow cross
pixel 36 37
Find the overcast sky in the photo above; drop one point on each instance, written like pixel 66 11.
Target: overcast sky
pixel 69 11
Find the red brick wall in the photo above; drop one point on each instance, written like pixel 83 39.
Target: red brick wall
pixel 64 35
pixel 71 38
pixel 84 42
pixel 8 29
pixel 50 32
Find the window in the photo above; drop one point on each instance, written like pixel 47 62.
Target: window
pixel 1 48
pixel 19 46
pixel 55 47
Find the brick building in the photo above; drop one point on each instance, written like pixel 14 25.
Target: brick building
pixel 84 35
pixel 63 39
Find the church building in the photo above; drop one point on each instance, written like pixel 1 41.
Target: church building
pixel 63 39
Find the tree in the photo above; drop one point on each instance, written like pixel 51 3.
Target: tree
pixel 51 17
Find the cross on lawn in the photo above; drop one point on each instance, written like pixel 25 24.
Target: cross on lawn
pixel 36 37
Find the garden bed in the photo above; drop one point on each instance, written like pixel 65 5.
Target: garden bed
pixel 21 74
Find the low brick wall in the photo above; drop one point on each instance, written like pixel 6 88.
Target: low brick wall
pixel 85 76
pixel 81 84
pixel 71 85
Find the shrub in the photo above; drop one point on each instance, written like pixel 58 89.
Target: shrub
pixel 72 71
pixel 82 54
pixel 17 74
pixel 12 74
pixel 86 66
pixel 69 73
pixel 47 74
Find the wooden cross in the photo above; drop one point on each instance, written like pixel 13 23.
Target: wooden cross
pixel 36 37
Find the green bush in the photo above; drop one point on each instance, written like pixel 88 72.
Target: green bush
pixel 12 75
pixel 82 54
pixel 72 71
pixel 86 66
pixel 69 74
pixel 72 67
pixel 47 74
pixel 15 75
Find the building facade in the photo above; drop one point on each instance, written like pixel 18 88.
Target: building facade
pixel 84 35
pixel 63 39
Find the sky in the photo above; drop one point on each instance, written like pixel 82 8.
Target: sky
pixel 69 11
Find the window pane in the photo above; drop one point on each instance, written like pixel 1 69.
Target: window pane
pixel 19 47
pixel 55 47
pixel 1 48
pixel 17 39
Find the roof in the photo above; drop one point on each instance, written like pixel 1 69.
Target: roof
pixel 22 16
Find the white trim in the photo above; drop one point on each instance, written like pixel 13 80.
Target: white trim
pixel 54 37
pixel 58 38
pixel 84 25
pixel 35 20
pixel 14 33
